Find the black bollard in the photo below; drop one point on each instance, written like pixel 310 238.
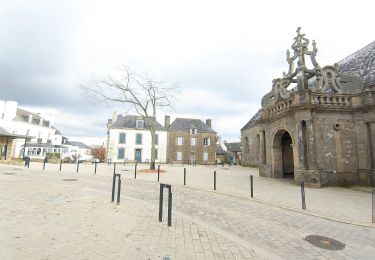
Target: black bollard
pixel 161 203
pixel 214 180
pixel 113 187
pixel 170 207
pixel 184 176
pixel 118 189
pixel 373 206
pixel 77 165
pixel 251 185
pixel 44 164
pixel 60 165
pixel 303 195
pixel 95 167
pixel 135 171
pixel 158 172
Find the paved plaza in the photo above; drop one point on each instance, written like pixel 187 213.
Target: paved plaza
pixel 64 215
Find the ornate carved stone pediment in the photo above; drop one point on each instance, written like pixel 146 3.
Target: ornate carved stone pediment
pixel 321 80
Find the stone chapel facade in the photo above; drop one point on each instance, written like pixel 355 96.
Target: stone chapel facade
pixel 317 124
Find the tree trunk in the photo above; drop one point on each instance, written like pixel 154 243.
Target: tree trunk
pixel 152 164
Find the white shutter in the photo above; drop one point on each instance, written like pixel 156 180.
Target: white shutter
pixel 209 141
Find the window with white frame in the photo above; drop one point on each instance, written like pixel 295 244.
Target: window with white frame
pixel 138 139
pixel 193 131
pixel 206 141
pixel 205 156
pixel 140 123
pixel 193 141
pixel 121 153
pixel 179 156
pixel 180 140
pixel 122 138
pixel 156 139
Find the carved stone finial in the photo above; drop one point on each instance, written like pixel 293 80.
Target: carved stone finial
pixel 298 30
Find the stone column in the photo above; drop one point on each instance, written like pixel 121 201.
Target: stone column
pixel 372 145
pixel 262 144
pixel 298 149
pixel 372 154
pixel 311 144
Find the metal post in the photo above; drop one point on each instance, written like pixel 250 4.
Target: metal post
pixel 95 167
pixel 29 161
pixel 114 168
pixel 184 176
pixel 158 172
pixel 118 189
pixel 161 203
pixel 135 171
pixel 60 164
pixel 303 195
pixel 77 165
pixel 251 186
pixel 214 180
pixel 373 206
pixel 113 187
pixel 44 164
pixel 170 206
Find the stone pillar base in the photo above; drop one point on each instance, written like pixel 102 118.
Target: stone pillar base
pixel 311 178
pixel 265 170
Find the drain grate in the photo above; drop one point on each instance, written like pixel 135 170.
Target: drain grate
pixel 70 179
pixel 325 242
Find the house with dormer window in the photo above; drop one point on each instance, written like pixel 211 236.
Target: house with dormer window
pixel 129 139
pixel 190 140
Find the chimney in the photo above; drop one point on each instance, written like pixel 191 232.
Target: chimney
pixel 41 121
pixel 30 119
pixel 167 121
pixel 208 122
pixel 114 116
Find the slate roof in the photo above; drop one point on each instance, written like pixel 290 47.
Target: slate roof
pixel 129 121
pixel 221 151
pixel 4 132
pixel 44 145
pixel 79 144
pixel 185 124
pixel 253 120
pixel 361 64
pixel 234 147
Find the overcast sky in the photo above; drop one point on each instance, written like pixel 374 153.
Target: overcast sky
pixel 224 54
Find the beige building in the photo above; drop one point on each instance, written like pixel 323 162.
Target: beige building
pixel 190 140
pixel 317 124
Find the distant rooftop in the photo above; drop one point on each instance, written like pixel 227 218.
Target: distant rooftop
pixel 185 124
pixel 129 121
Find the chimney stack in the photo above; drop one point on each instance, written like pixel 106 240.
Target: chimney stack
pixel 208 122
pixel 167 121
pixel 114 116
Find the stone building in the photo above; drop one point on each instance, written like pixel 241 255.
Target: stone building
pixel 317 124
pixel 190 140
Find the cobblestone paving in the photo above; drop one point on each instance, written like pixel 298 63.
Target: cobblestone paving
pixel 44 217
pixel 232 226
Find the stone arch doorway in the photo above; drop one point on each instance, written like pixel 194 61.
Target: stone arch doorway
pixel 283 157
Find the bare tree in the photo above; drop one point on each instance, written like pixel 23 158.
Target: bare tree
pixel 145 95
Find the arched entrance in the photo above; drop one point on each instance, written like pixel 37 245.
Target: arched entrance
pixel 283 162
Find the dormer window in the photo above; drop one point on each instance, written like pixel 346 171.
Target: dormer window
pixel 193 131
pixel 140 123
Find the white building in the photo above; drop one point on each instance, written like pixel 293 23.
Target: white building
pixel 129 140
pixel 44 137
